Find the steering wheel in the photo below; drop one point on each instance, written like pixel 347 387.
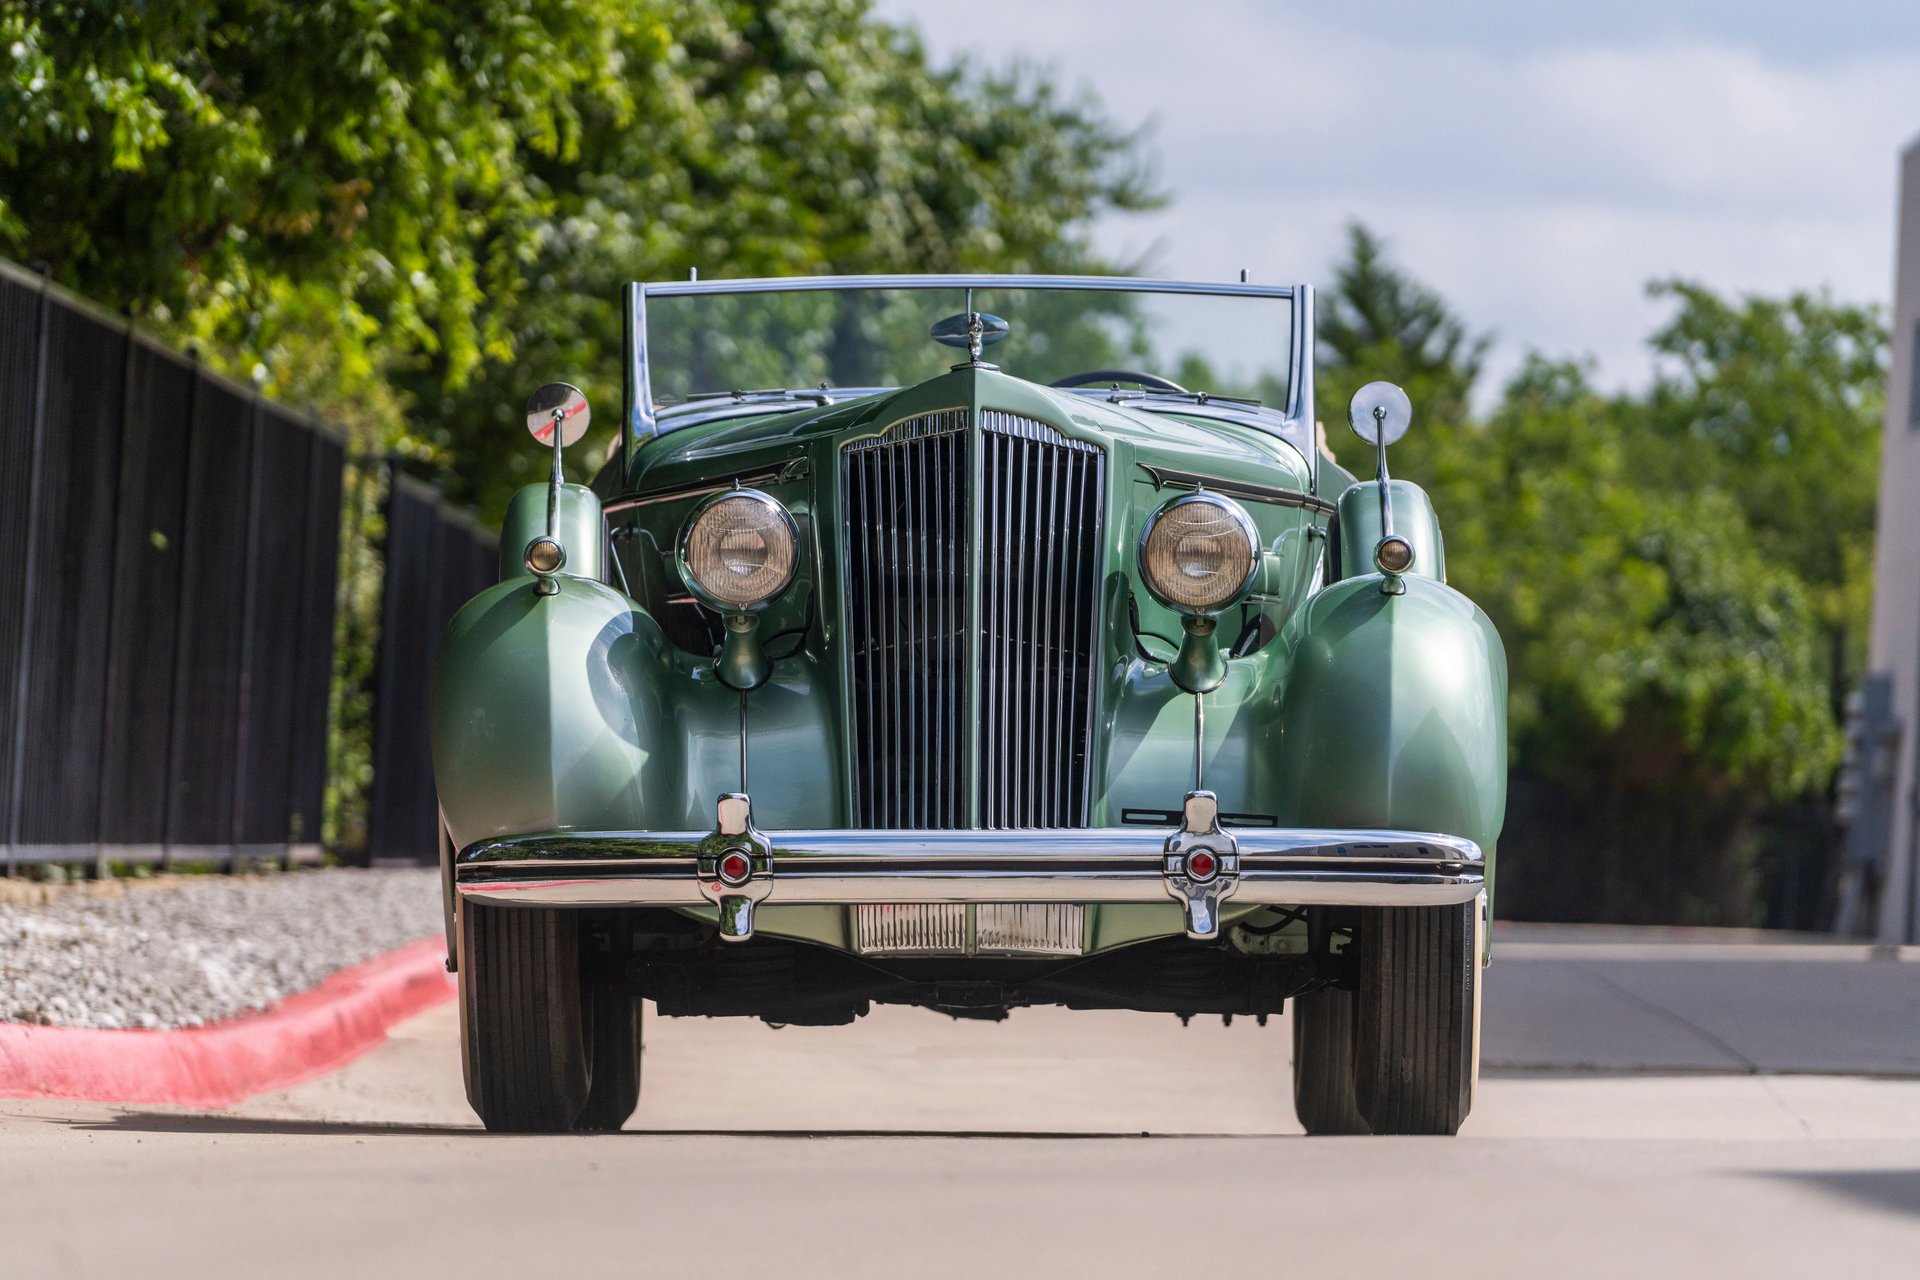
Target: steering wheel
pixel 1150 380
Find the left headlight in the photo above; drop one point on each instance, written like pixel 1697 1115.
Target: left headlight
pixel 739 551
pixel 1198 553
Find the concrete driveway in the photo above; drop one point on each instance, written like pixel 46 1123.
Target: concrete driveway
pixel 1651 1108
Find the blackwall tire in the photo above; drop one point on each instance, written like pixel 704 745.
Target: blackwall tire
pixel 615 1025
pixel 1323 1064
pixel 1416 1012
pixel 523 1034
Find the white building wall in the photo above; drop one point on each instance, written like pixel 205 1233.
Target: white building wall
pixel 1895 645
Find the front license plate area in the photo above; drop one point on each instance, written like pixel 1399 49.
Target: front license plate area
pixel 959 929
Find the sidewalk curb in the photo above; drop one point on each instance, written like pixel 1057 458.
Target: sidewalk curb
pixel 225 1063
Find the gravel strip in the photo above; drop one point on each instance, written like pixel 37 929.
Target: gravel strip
pixel 205 947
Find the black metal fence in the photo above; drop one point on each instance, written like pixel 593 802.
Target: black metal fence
pixel 170 544
pixel 435 560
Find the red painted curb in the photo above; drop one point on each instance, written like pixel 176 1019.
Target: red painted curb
pixel 227 1062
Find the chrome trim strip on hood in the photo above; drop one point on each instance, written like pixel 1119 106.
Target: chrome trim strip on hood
pixel 1163 476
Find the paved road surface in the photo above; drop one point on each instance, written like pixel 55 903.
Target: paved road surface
pixel 1655 1120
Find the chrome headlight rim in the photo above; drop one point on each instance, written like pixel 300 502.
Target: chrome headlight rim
pixel 1225 506
pixel 684 543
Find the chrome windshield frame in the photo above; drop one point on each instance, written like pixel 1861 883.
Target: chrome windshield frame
pixel 643 418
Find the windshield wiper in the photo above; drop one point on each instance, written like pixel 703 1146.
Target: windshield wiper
pixel 819 396
pixel 1116 396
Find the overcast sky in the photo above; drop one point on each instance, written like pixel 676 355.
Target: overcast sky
pixel 1537 162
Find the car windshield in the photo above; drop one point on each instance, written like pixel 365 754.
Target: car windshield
pixel 1223 344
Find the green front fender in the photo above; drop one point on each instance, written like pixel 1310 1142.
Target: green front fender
pixel 1394 713
pixel 547 713
pixel 578 524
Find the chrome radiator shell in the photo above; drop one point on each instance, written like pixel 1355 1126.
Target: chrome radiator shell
pixel 972 558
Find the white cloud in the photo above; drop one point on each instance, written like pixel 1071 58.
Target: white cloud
pixel 1538 182
pixel 1717 127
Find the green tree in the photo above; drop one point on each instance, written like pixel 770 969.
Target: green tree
pixel 407 212
pixel 1669 684
pixel 1673 571
pixel 787 138
pixel 1777 403
pixel 1622 593
pixel 318 194
pixel 1378 322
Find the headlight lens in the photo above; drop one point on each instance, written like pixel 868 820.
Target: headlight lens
pixel 1198 553
pixel 739 550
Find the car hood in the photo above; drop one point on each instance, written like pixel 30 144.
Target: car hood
pixel 1220 440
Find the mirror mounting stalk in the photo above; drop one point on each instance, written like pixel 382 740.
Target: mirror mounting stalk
pixel 1380 413
pixel 558 414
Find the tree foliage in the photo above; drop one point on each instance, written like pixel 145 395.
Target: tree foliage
pixel 411 212
pixel 1377 322
pixel 1677 573
pixel 1777 403
pixel 1625 594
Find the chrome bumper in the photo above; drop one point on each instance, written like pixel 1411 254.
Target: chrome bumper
pixel 1290 867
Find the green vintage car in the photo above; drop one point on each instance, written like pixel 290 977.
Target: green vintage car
pixel 872 670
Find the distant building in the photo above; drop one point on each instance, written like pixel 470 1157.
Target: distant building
pixel 1880 890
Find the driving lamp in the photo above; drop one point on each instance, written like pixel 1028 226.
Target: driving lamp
pixel 738 551
pixel 1198 553
pixel 545 556
pixel 1393 554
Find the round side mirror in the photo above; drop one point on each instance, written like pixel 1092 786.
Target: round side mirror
pixel 1380 413
pixel 558 404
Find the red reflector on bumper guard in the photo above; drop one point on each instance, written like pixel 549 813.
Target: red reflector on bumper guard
pixel 735 867
pixel 1201 864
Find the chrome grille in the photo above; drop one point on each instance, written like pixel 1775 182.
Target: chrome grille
pixel 963 718
pixel 1041 509
pixel 905 497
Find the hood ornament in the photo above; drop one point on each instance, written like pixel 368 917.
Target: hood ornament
pixel 970 331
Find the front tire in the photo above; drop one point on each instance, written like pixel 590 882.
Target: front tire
pixel 1323 1064
pixel 521 1017
pixel 1416 1036
pixel 614 1026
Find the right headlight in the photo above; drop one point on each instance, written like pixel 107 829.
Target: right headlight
pixel 739 551
pixel 1198 553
